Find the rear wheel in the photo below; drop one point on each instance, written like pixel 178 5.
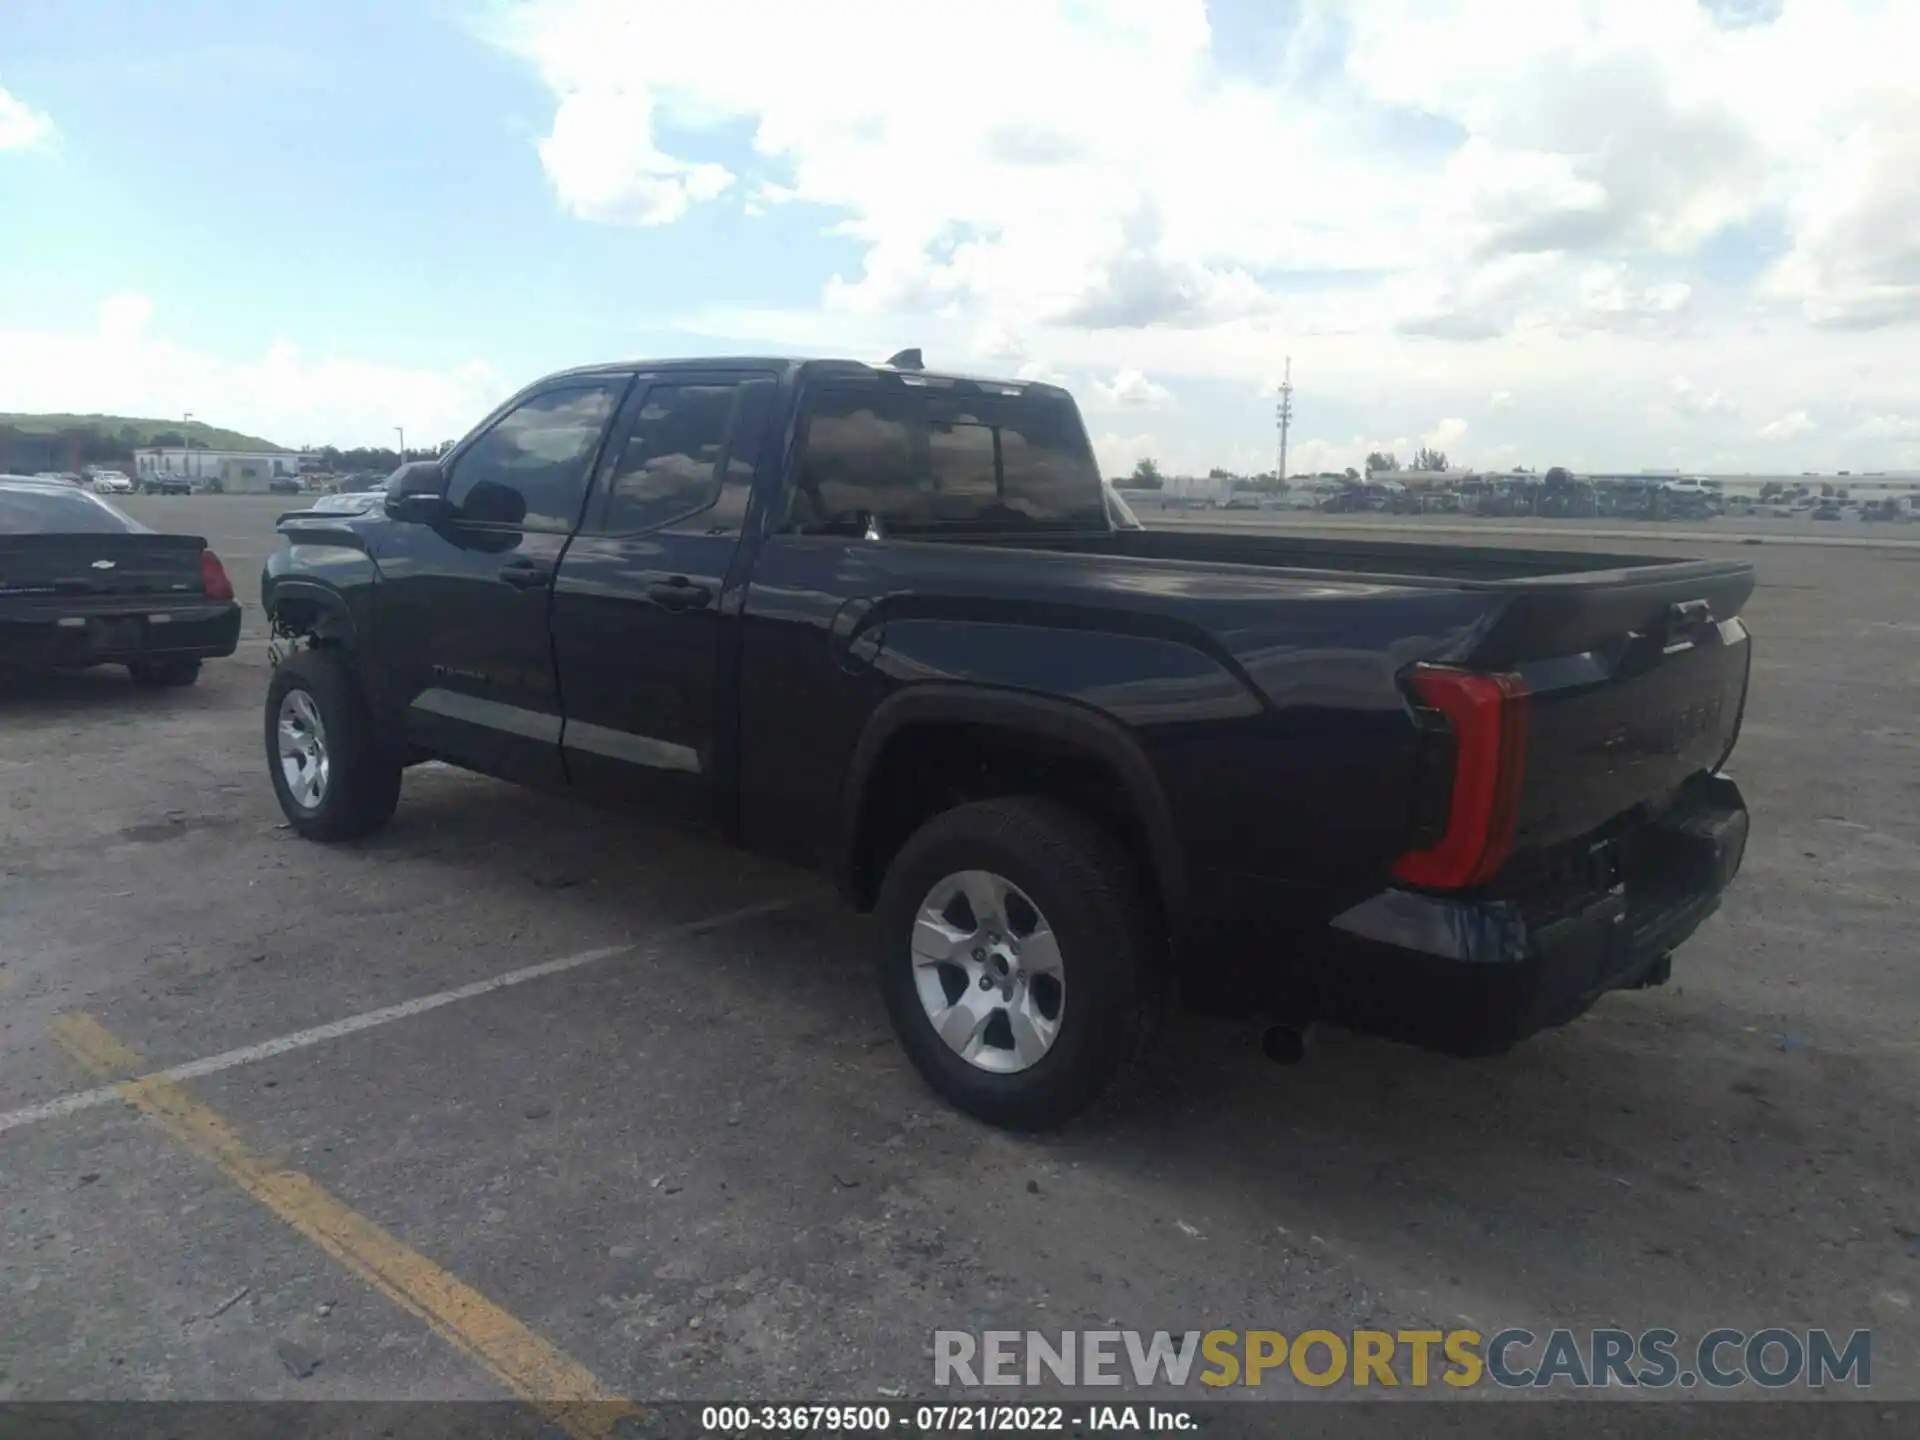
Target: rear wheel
pixel 1018 960
pixel 329 773
pixel 164 674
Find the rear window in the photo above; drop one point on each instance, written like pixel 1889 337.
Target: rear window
pixel 60 512
pixel 914 462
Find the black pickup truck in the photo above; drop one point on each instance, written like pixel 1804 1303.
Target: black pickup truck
pixel 887 624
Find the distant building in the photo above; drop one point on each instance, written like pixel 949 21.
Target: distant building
pixel 1197 488
pixel 1881 485
pixel 237 471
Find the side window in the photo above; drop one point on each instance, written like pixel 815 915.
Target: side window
pixel 530 469
pixel 670 464
pixel 912 462
pixel 858 461
pixel 1046 465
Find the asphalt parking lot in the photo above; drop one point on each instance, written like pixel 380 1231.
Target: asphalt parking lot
pixel 689 1161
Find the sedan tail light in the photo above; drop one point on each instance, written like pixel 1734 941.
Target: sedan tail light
pixel 213 577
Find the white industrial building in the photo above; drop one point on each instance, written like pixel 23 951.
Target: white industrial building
pixel 1872 485
pixel 237 471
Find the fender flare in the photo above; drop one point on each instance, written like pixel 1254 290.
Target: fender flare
pixel 1059 722
pixel 336 622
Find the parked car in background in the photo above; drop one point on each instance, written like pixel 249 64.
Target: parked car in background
pixel 1828 511
pixel 351 502
pixel 111 482
pixel 83 583
pixel 166 485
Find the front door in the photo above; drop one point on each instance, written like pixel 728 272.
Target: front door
pixel 640 610
pixel 467 602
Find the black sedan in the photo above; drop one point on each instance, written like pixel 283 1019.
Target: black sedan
pixel 83 583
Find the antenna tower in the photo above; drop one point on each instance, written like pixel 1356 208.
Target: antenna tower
pixel 1283 418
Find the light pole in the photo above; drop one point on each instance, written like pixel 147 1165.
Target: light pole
pixel 187 441
pixel 401 431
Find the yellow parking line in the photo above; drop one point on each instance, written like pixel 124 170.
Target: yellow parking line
pixel 568 1393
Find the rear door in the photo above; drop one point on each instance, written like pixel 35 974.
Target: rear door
pixel 466 603
pixel 640 610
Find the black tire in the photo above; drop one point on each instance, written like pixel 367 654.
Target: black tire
pixel 163 674
pixel 1096 902
pixel 363 781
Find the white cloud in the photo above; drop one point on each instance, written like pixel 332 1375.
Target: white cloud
pixel 605 167
pixel 1129 390
pixel 1118 454
pixel 1040 371
pixel 1891 427
pixel 1689 399
pixel 1856 260
pixel 1311 457
pixel 21 126
pixel 1432 205
pixel 1788 427
pixel 122 367
pixel 1448 433
pixel 1538 181
pixel 124 317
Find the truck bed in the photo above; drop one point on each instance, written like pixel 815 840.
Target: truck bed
pixel 1373 559
pixel 1635 666
pixel 1560 602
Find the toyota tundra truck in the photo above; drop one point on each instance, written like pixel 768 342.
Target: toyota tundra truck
pixel 890 625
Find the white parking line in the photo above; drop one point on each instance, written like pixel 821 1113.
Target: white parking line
pixel 385 1015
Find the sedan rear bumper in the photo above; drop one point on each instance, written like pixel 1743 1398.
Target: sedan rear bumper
pixel 158 630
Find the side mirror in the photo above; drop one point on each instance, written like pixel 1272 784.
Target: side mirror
pixel 417 494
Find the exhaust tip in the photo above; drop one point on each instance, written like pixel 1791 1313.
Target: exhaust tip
pixel 1283 1044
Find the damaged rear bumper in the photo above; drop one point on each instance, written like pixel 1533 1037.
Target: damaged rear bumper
pixel 1475 976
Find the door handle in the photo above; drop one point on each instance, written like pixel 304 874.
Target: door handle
pixel 679 593
pixel 524 574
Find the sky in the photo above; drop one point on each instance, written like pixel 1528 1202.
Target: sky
pixel 1606 234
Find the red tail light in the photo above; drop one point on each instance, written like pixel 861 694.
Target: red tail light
pixel 213 577
pixel 1488 715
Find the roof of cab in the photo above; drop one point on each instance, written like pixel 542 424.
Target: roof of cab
pixel 796 363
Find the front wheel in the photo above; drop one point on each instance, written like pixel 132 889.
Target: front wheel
pixel 330 775
pixel 1018 960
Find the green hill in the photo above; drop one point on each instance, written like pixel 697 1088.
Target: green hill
pixel 125 433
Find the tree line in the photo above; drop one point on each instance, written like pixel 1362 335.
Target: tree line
pixel 110 440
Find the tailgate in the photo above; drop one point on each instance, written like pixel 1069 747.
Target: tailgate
pixel 84 570
pixel 1636 679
